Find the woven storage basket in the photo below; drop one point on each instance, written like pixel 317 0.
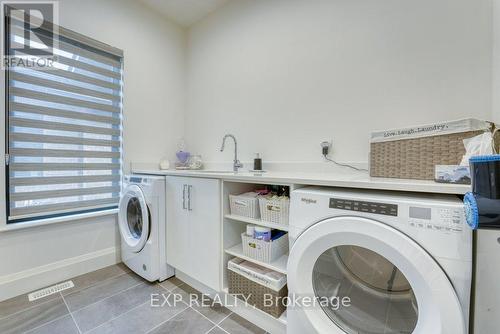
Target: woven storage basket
pixel 265 251
pixel 416 158
pixel 244 206
pixel 274 210
pixel 256 294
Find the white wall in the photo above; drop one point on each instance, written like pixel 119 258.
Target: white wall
pixel 154 88
pixel 283 75
pixel 153 121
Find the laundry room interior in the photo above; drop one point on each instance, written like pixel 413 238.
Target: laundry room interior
pixel 250 166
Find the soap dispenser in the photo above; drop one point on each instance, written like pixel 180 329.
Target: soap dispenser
pixel 257 162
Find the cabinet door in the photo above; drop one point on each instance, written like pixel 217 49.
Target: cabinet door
pixel 487 304
pixel 178 233
pixel 205 230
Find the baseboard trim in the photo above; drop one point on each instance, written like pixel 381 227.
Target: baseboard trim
pixel 36 278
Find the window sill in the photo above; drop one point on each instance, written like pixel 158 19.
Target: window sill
pixel 50 221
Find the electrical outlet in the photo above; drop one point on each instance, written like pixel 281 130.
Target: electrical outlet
pixel 326 146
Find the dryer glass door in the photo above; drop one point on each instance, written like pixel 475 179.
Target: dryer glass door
pixel 381 299
pixel 134 218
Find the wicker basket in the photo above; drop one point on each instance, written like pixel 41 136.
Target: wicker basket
pixel 265 251
pixel 274 210
pixel 416 158
pixel 257 294
pixel 245 206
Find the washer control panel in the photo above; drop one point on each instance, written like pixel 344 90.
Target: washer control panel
pixel 361 206
pixel 135 179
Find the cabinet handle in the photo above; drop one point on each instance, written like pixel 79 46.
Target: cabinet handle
pixel 189 198
pixel 184 197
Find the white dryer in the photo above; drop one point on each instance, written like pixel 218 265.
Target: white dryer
pixel 403 261
pixel 142 222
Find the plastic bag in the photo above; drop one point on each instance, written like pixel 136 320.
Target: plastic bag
pixel 478 145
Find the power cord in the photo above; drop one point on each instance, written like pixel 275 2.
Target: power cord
pixel 345 165
pixel 326 148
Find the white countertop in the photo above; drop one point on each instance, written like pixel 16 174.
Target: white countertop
pixel 346 179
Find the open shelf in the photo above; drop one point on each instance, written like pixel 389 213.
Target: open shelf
pixel 278 265
pixel 233 226
pixel 281 227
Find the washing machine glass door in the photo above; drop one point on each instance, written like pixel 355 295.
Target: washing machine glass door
pixel 134 218
pixel 367 277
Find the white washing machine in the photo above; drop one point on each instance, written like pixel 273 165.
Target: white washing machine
pixel 142 221
pixel 378 262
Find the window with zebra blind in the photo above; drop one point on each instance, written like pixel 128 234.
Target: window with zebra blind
pixel 64 125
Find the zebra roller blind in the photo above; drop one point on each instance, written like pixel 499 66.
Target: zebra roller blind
pixel 64 128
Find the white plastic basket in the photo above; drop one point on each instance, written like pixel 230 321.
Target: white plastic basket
pixel 275 210
pixel 265 251
pixel 245 206
pixel 258 274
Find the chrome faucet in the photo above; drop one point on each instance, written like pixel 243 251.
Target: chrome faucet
pixel 237 164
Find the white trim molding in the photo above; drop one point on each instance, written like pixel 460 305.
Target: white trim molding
pixel 35 278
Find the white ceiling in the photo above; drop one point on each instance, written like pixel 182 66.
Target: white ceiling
pixel 184 12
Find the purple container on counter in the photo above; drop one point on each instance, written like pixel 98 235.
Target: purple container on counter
pixel 182 156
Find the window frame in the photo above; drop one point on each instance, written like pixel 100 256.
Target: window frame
pixel 6 127
pixel 3 138
pixel 48 217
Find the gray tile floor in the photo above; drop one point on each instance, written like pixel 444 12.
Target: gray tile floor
pixel 115 300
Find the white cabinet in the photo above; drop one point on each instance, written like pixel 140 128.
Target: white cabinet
pixel 487 290
pixel 194 228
